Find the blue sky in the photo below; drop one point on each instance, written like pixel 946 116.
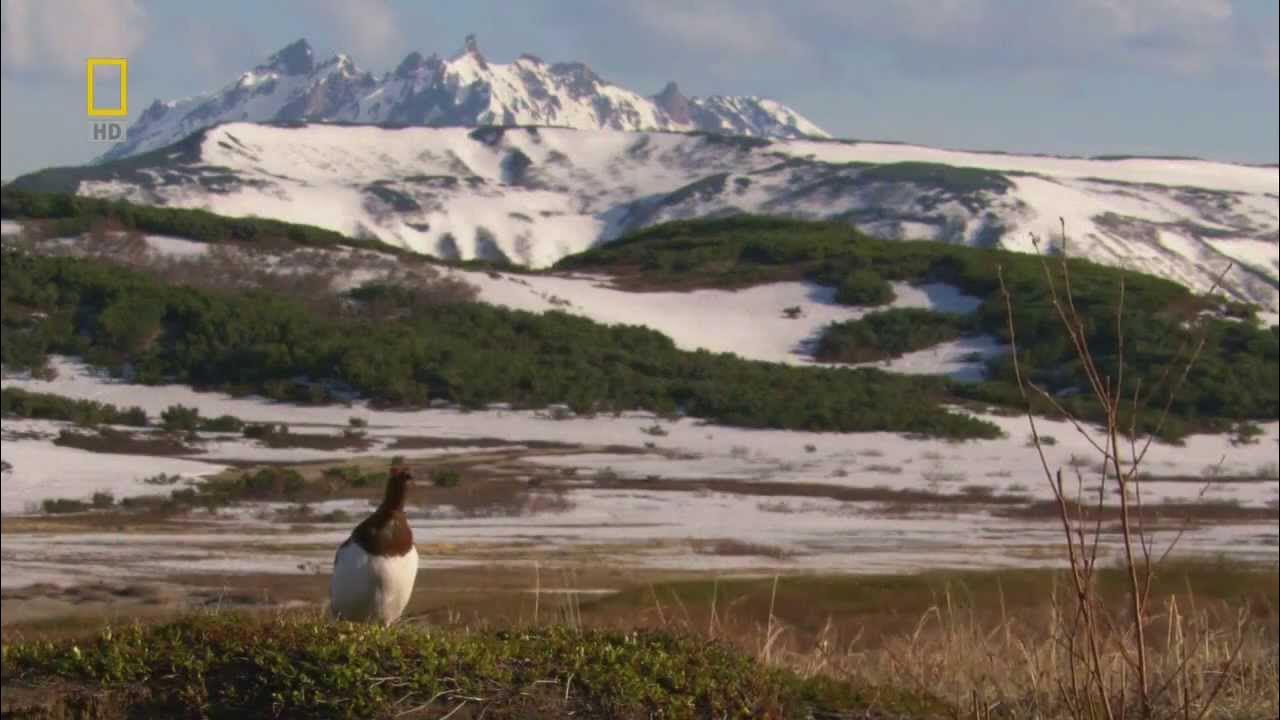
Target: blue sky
pixel 1159 77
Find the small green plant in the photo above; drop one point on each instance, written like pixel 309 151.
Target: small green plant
pixel 180 418
pixel 272 482
pixel 864 287
pixel 15 402
pixel 446 477
pixel 60 506
pixel 353 476
pixel 222 423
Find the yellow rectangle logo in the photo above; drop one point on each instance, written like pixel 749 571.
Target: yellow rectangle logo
pixel 93 64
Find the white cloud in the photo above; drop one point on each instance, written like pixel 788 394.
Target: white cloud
pixel 370 30
pixel 56 36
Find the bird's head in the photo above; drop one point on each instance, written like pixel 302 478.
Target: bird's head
pixel 397 487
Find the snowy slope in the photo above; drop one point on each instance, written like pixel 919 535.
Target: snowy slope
pixel 45 470
pixel 465 90
pixel 534 195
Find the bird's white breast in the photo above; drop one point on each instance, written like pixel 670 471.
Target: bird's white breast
pixel 371 588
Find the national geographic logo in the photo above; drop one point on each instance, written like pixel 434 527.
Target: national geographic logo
pixel 106 82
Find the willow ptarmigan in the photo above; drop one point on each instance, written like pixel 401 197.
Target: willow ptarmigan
pixel 374 570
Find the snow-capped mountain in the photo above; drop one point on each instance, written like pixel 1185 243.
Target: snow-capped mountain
pixel 466 90
pixel 534 195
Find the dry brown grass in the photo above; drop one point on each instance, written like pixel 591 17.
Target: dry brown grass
pixel 1106 659
pixel 990 643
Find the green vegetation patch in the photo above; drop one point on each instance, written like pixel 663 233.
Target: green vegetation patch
pixel 409 355
pixel 15 402
pixel 888 334
pixel 231 665
pixel 864 287
pixel 958 180
pixel 69 214
pixel 1236 375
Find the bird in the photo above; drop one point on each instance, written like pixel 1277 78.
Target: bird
pixel 374 570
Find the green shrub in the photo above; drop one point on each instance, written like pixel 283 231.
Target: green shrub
pixel 864 287
pixel 222 423
pixel 446 477
pixel 180 418
pixel 15 402
pixel 59 506
pixel 272 482
pixel 353 476
pixel 887 334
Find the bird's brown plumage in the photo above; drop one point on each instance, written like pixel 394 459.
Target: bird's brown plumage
pixel 386 532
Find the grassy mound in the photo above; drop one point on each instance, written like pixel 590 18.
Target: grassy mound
pixel 230 665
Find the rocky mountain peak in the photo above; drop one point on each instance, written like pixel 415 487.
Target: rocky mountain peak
pixel 296 58
pixel 464 90
pixel 411 64
pixel 673 103
pixel 471 49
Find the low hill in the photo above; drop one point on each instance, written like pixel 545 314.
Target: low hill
pixel 415 344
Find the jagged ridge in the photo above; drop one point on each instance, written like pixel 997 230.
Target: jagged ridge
pixel 465 90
